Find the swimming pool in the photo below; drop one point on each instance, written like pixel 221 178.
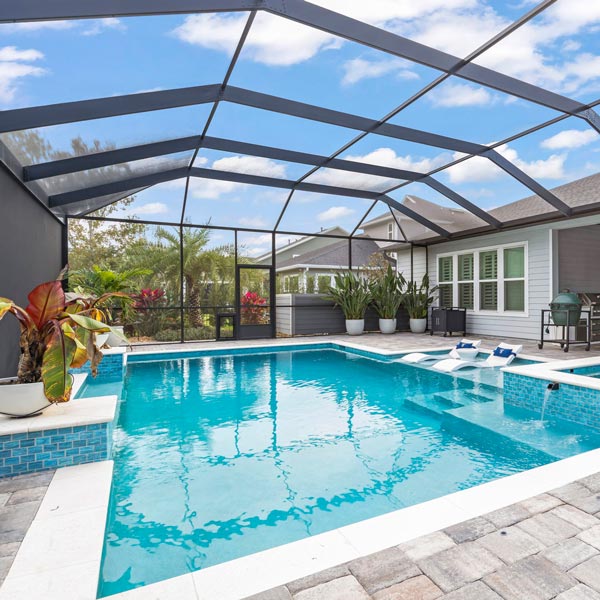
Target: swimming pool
pixel 224 455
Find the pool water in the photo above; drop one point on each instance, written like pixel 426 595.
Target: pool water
pixel 218 457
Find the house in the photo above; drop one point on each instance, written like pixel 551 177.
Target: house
pixel 505 278
pixel 309 264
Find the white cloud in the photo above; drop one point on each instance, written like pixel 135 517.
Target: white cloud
pixel 152 208
pixel 543 51
pixel 257 222
pixel 36 26
pixel 357 69
pixel 570 138
pixel 384 157
pixel 334 213
pixel 256 245
pixel 12 53
pixel 460 94
pixel 101 25
pixel 479 169
pixel 251 165
pixel 14 68
pixel 272 41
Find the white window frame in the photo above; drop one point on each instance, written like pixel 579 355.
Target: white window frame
pixel 390 231
pixel 499 278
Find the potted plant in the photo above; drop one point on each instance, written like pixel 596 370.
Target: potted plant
pixel 417 300
pixel 353 296
pixel 99 282
pixel 57 333
pixel 387 293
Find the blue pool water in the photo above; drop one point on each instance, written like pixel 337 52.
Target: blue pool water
pixel 217 457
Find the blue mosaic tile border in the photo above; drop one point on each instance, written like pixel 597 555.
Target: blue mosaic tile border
pixel 569 402
pixel 112 366
pixel 41 450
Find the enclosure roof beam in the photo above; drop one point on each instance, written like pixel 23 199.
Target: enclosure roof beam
pixel 112 106
pixel 108 158
pixel 308 14
pixel 415 216
pixel 528 182
pixel 244 178
pixel 44 10
pixel 123 155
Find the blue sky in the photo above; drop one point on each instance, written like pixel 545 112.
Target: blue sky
pixel 43 63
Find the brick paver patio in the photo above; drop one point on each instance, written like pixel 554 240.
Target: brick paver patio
pixel 544 548
pixel 20 498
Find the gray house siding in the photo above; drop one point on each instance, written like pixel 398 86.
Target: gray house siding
pixel 31 242
pixel 541 273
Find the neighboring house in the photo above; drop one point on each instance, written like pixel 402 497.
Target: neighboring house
pixel 505 278
pixel 308 265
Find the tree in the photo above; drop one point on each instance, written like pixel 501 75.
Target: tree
pixel 208 274
pixel 90 242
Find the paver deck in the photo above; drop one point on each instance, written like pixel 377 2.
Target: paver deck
pixel 544 548
pixel 397 342
pixel 20 498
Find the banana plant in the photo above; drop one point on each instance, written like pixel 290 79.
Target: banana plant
pixel 58 332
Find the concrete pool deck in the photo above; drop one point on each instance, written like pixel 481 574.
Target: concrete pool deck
pixel 392 573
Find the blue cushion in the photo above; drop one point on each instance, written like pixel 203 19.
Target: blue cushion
pixel 461 345
pixel 503 352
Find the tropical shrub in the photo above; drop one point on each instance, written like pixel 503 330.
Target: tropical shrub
pixel 58 332
pixel 254 310
pixel 351 294
pixel 149 305
pixel 418 298
pixel 387 293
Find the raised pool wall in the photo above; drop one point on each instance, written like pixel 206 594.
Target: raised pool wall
pixel 67 434
pixel 577 398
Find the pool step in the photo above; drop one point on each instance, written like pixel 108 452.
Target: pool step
pixel 492 420
pixel 438 403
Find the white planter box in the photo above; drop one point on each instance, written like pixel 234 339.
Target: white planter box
pixel 418 325
pixel 387 325
pixel 355 326
pixel 22 399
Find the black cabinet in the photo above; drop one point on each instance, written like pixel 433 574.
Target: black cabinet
pixel 448 320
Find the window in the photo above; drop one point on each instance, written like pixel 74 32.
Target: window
pixel 390 232
pixel 465 280
pixel 514 279
pixel 487 279
pixel 445 279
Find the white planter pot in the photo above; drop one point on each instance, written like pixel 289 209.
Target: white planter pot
pixel 101 339
pixel 418 325
pixel 387 325
pixel 22 399
pixel 114 340
pixel 355 326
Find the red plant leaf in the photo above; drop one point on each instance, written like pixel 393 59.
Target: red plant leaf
pixel 46 301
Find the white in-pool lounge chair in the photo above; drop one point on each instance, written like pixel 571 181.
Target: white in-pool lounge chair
pixel 502 356
pixel 421 357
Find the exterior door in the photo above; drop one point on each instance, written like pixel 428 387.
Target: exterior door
pixel 255 294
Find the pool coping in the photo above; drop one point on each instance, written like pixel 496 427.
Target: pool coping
pixel 554 371
pixel 32 573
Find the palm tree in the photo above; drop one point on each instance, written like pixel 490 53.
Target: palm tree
pixel 207 272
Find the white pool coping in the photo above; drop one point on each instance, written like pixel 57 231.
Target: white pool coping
pixel 555 371
pixel 61 554
pixel 76 412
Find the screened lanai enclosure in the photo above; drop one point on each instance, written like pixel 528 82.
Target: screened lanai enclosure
pixel 229 157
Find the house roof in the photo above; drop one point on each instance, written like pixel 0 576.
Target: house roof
pixel 582 192
pixel 336 254
pixel 335 230
pixel 451 219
